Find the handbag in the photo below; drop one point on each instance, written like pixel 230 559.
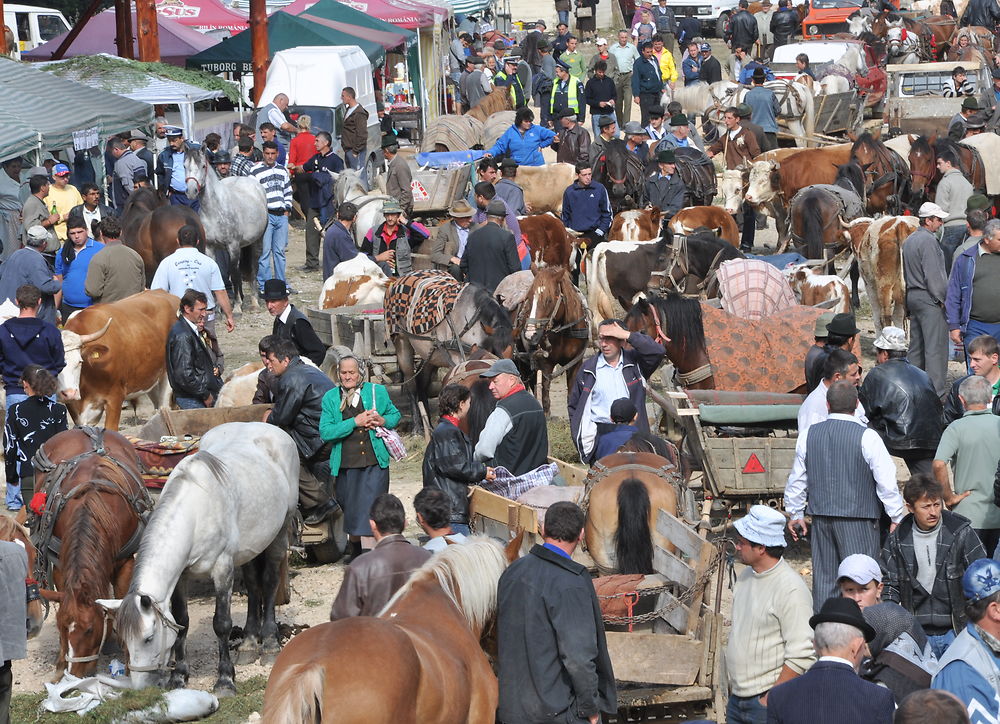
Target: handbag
pixel 585 12
pixel 393 442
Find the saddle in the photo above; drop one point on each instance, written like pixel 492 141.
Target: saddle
pixel 160 458
pixel 698 173
pixel 417 303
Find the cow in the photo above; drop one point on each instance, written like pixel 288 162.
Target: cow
pixel 543 186
pixel 714 218
pixel 547 239
pixel 622 263
pixel 241 386
pixel 879 252
pixel 353 282
pixel 812 287
pixel 636 225
pixel 117 352
pixel 732 185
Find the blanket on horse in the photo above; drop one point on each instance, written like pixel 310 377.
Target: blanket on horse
pixel 753 289
pixel 416 303
pixel 160 458
pixel 765 355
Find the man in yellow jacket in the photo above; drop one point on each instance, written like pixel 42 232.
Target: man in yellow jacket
pixel 668 71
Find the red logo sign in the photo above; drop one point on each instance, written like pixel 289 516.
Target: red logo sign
pixel 753 465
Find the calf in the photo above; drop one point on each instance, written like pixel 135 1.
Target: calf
pixel 636 225
pixel 547 239
pixel 354 282
pixel 714 218
pixel 880 258
pixel 812 287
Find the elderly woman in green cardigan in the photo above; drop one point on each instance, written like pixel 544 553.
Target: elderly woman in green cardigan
pixel 359 459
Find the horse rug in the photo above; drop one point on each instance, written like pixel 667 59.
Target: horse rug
pixel 765 355
pixel 988 145
pixel 416 303
pixel 513 289
pixel 753 289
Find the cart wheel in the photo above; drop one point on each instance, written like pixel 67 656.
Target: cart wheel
pixel 332 550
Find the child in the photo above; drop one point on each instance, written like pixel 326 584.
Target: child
pixel 924 560
pixel 623 417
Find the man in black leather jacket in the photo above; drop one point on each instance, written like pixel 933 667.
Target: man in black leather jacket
pixel 784 23
pixel 298 404
pixel 901 403
pixel 192 365
pixel 981 12
pixel 742 28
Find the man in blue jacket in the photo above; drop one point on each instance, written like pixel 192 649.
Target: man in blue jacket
pixel 971 303
pixel 647 82
pixel 523 141
pixel 613 374
pixel 586 208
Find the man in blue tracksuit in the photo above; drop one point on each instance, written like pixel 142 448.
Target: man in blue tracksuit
pixel 586 209
pixel 647 82
pixel 523 141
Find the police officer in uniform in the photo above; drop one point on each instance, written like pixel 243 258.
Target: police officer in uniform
pixel 567 92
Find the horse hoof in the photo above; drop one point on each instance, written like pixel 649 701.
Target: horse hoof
pixel 224 689
pixel 177 681
pixel 248 653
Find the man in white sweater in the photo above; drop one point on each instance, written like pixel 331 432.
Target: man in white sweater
pixel 770 641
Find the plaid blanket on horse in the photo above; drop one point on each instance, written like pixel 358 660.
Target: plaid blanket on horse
pixel 160 458
pixel 753 289
pixel 416 303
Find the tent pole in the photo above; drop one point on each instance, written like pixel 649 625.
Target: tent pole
pixel 423 85
pixel 68 40
pixel 259 46
pixel 3 35
pixel 149 31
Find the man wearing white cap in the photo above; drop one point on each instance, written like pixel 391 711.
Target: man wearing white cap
pixel 926 290
pixel 902 405
pixel 770 641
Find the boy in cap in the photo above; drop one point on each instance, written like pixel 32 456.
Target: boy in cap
pixel 970 668
pixel 609 58
pixel 770 641
pixel 611 437
pixel 656 130
pixel 860 579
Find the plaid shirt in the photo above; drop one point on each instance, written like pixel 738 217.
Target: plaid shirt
pixel 241 165
pixel 514 486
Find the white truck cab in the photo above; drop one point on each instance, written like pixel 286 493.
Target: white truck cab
pixel 31 26
pixel 712 14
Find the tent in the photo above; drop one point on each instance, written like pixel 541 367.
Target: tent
pixel 203 15
pixel 18 137
pixel 284 31
pixel 177 41
pixel 30 95
pixel 408 15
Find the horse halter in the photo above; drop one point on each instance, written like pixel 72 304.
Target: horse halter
pixel 93 657
pixel 165 621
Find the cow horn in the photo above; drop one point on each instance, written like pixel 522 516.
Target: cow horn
pixel 574 233
pixel 85 338
pixel 843 224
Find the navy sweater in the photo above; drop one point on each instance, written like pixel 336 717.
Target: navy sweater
pixel 25 341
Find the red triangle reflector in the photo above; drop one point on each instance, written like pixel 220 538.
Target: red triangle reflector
pixel 753 465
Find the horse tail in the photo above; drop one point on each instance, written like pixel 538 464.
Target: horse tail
pixel 295 695
pixel 633 541
pixel 812 225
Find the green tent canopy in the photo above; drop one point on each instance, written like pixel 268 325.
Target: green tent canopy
pixel 284 31
pixel 339 12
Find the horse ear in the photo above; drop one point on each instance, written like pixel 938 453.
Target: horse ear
pixel 512 551
pixel 911 139
pixel 852 135
pixel 111 604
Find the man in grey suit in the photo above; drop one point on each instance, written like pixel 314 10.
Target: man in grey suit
pixel 846 474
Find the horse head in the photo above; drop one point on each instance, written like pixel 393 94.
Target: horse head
pixel 923 163
pixel 545 304
pixel 196 174
pixel 858 22
pixel 84 627
pixel 347 185
pixel 147 630
pixel 611 170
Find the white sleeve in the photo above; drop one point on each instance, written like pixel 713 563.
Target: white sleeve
pixel 215 283
pixel 160 278
pixel 874 452
pixel 498 424
pixel 795 488
pixel 276 117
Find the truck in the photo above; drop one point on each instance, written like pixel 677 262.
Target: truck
pixel 29 26
pixel 829 17
pixel 313 78
pixel 712 14
pixel 915 101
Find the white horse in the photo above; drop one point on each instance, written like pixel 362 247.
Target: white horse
pixel 902 45
pixel 227 505
pixel 234 214
pixel 860 21
pixel 853 60
pixel 348 186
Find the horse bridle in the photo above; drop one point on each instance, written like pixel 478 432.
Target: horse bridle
pixel 545 327
pixel 165 621
pixel 204 167
pixel 93 657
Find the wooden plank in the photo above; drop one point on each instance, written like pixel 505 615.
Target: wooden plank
pixel 573 474
pixel 655 695
pixel 705 559
pixel 497 508
pixel 647 658
pixel 677 616
pixel 673 568
pixel 198 422
pixel 689 542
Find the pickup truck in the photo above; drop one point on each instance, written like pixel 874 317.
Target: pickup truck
pixel 712 14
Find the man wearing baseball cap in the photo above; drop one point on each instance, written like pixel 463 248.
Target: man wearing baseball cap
pixel 63 196
pixel 770 641
pixel 711 69
pixel 970 668
pixel 926 291
pixel 515 436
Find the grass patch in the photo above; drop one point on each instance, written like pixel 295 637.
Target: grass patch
pixel 561 440
pixel 26 708
pixel 312 603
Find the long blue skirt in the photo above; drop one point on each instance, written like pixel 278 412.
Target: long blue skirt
pixel 357 489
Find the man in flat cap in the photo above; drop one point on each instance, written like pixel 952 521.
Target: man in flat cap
pixel 474 85
pixel 515 436
pixel 572 142
pixel 491 252
pixel 507 188
pixel 665 188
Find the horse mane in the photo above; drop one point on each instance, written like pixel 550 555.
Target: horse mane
pixel 866 139
pixel 850 177
pixel 492 314
pixel 481 406
pixel 468 576
pixel 946 145
pixel 11 529
pixel 680 317
pixel 812 225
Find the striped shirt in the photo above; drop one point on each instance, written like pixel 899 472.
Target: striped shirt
pixel 241 165
pixel 277 185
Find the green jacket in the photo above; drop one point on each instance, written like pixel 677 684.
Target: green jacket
pixel 333 426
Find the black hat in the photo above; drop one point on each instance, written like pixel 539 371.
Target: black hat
pixel 389 141
pixel 623 411
pixel 567 113
pixel 679 119
pixel 221 157
pixel 971 104
pixel 541 22
pixel 606 121
pixel 275 289
pixel 843 610
pixel 666 156
pixel 542 43
pixel 655 112
pixel 562 64
pixel 843 324
pixel 975 121
pixel 508 163
pixel 474 59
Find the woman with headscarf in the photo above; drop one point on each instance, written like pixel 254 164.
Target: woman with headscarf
pixel 353 411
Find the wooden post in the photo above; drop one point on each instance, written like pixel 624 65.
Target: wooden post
pixel 123 28
pixel 129 30
pixel 68 40
pixel 148 30
pixel 260 52
pixel 3 34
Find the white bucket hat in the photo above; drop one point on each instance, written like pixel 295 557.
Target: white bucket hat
pixel 762 525
pixel 892 339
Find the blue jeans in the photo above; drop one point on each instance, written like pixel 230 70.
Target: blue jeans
pixel 189 403
pixel 13 398
pixel 179 198
pixel 745 710
pixel 941 642
pixel 563 16
pixel 14 501
pixel 274 243
pixel 460 528
pixel 951 238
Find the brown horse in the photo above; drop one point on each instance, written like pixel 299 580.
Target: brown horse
pixel 627 491
pixel 150 226
pixel 887 178
pixel 497 100
pixel 924 171
pixel 419 660
pixel 12 531
pixel 91 527
pixel 675 322
pixel 552 328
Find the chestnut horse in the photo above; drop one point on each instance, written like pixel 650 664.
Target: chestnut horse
pixel 418 660
pixel 924 170
pixel 11 530
pixel 92 524
pixel 887 177
pixel 150 226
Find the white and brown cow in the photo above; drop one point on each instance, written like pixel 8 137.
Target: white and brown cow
pixel 635 225
pixel 714 218
pixel 353 282
pixel 879 252
pixel 812 287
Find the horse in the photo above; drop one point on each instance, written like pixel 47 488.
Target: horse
pixel 552 327
pixel 475 320
pixel 423 660
pixel 93 522
pixel 234 213
pixel 621 172
pixel 150 226
pixel 887 176
pixel 495 101
pixel 860 20
pixel 675 322
pixel 349 186
pixel 227 505
pixel 14 532
pixel 933 34
pixel 903 45
pixel 627 492
pixel 925 175
pixel 819 212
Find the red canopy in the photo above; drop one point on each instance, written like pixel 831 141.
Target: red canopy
pixel 407 14
pixel 203 15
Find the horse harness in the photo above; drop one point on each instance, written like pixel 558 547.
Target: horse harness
pixel 544 328
pixel 669 473
pixel 893 169
pixel 680 260
pixel 686 379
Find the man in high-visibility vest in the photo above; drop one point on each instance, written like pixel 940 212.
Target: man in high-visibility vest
pixel 508 77
pixel 567 92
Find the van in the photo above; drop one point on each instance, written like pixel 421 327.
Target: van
pixel 828 17
pixel 313 78
pixel 32 26
pixel 819 51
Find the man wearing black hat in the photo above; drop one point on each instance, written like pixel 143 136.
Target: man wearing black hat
pixel 647 81
pixel 764 109
pixel 491 252
pixel 474 85
pixel 958 122
pixel 567 92
pixel 680 135
pixel 572 141
pixel 515 436
pixel 398 177
pixel 290 323
pixel 665 188
pixel 831 690
pixel 222 162
pixel 507 189
pixel 841 333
